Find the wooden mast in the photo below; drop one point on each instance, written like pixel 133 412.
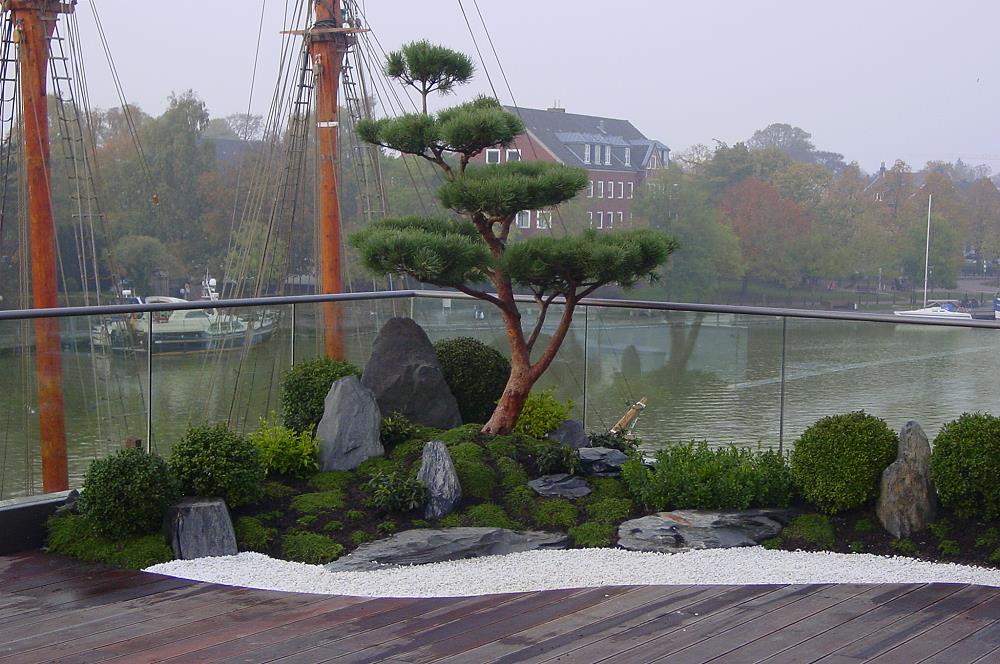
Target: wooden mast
pixel 327 47
pixel 34 22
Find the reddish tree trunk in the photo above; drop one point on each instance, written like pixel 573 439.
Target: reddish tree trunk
pixel 508 409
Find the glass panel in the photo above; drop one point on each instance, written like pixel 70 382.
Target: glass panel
pixel 713 377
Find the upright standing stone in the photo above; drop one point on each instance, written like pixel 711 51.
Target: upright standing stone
pixel 571 434
pixel 906 498
pixel 437 472
pixel 405 376
pixel 200 527
pixel 349 431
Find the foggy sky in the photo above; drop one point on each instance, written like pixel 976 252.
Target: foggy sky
pixel 876 81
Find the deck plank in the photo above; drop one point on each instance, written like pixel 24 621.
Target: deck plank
pixel 54 609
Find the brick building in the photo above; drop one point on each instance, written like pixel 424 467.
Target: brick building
pixel 615 154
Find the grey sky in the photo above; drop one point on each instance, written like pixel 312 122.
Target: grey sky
pixel 913 79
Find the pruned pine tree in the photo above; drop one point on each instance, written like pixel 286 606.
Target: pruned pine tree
pixel 469 252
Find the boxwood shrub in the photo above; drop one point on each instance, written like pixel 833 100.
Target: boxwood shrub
pixel 542 413
pixel 837 462
pixel 304 388
pixel 212 460
pixel 965 465
pixel 128 493
pixel 475 373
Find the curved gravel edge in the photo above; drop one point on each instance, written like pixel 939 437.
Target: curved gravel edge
pixel 576 568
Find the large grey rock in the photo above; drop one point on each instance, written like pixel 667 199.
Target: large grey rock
pixel 404 374
pixel 416 547
pixel 602 461
pixel 686 530
pixel 571 434
pixel 349 431
pixel 562 485
pixel 437 472
pixel 906 498
pixel 199 527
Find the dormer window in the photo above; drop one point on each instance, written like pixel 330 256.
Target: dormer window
pixel 586 153
pixel 597 154
pixel 607 155
pixel 628 156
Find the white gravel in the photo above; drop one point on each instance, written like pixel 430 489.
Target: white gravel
pixel 547 570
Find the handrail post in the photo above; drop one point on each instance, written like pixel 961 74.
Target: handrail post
pixel 586 344
pixel 149 382
pixel 781 406
pixel 292 359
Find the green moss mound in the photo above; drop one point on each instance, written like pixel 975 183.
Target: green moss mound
pixel 312 548
pixel 512 474
pixel 475 373
pixel 555 514
pixel 965 465
pixel 212 460
pixel 609 510
pixel 128 493
pixel 484 515
pixel 813 529
pixel 304 388
pixel 593 535
pixel 252 535
pixel 331 480
pixel 837 462
pixel 520 503
pixel 75 535
pixel 318 502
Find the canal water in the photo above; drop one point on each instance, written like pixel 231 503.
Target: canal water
pixel 706 377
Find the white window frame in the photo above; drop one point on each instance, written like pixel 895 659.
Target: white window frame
pixel 628 156
pixel 526 216
pixel 621 189
pixel 597 153
pixel 600 219
pixel 631 189
pixel 590 189
pixel 586 153
pixel 515 151
pixel 607 155
pixel 621 218
pixel 491 152
pixel 611 219
pixel 600 188
pixel 611 188
pixel 590 219
pixel 543 219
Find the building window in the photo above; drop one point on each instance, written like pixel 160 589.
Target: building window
pixel 590 219
pixel 631 187
pixel 600 188
pixel 543 219
pixel 628 156
pixel 586 153
pixel 493 156
pixel 607 156
pixel 524 219
pixel 621 215
pixel 590 189
pixel 611 219
pixel 611 189
pixel 600 220
pixel 621 189
pixel 513 154
pixel 597 154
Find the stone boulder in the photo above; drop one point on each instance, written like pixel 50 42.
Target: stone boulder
pixel 571 434
pixel 404 374
pixel 416 547
pixel 906 498
pixel 349 431
pixel 687 530
pixel 601 461
pixel 437 472
pixel 199 527
pixel 562 485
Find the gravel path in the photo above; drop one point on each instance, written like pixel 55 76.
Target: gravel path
pixel 546 570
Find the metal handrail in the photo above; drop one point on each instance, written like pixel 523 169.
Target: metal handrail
pixel 112 309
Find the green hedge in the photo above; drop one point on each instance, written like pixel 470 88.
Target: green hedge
pixel 128 493
pixel 475 373
pixel 965 465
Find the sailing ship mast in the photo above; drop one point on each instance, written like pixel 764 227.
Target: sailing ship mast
pixel 34 22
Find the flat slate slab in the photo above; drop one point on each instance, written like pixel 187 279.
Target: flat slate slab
pixel 562 485
pixel 687 530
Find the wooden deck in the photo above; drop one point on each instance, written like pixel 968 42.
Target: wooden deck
pixel 56 609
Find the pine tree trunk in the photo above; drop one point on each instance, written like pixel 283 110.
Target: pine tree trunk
pixel 508 409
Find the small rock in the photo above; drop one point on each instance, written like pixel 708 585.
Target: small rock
pixel 906 499
pixel 562 485
pixel 70 506
pixel 571 434
pixel 437 472
pixel 601 461
pixel 687 530
pixel 199 527
pixel 349 431
pixel 424 545
pixel 404 374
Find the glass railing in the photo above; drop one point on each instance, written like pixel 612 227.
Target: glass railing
pixel 725 374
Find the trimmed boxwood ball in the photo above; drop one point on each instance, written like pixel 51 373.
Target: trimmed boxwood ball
pixel 837 462
pixel 475 373
pixel 128 493
pixel 211 460
pixel 965 465
pixel 304 388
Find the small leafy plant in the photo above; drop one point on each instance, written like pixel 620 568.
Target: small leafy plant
pixel 542 413
pixel 397 492
pixel 395 429
pixel 283 450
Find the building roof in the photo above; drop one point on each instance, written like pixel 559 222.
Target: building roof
pixel 565 134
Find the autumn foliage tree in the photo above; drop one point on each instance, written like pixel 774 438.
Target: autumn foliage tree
pixel 475 249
